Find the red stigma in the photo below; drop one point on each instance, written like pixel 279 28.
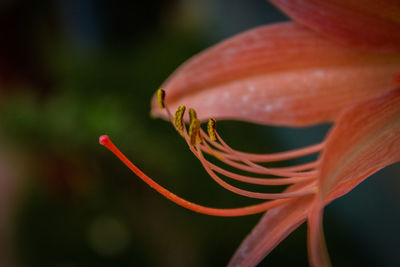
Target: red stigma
pixel 104 139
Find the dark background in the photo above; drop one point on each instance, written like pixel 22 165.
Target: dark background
pixel 71 71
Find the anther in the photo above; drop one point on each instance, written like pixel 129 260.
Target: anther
pixel 160 98
pixel 212 129
pixel 178 117
pixel 192 115
pixel 194 132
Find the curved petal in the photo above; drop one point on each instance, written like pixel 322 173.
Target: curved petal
pixel 281 74
pixel 278 223
pixel 273 227
pixel 367 24
pixel 317 251
pixel 365 139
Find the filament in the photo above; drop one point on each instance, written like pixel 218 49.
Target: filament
pixel 246 193
pixel 291 154
pixel 255 168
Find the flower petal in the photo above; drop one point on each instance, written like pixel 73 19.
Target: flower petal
pixel 274 226
pixel 278 223
pixel 281 74
pixel 367 24
pixel 365 139
pixel 317 251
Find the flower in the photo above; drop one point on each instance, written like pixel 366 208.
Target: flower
pixel 324 67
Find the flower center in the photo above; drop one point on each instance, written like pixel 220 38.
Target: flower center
pixel 302 179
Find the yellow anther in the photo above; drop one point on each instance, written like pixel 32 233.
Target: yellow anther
pixel 194 132
pixel 212 129
pixel 178 117
pixel 192 115
pixel 160 98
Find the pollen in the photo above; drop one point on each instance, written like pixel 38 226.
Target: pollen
pixel 160 98
pixel 194 132
pixel 192 115
pixel 178 117
pixel 212 129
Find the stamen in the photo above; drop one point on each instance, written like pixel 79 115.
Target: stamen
pixel 194 131
pixel 192 115
pixel 257 166
pixel 178 118
pixel 295 168
pixel 197 151
pixel 297 193
pixel 248 210
pixel 257 180
pixel 212 129
pixel 160 98
pixel 254 168
pixel 194 138
pixel 291 154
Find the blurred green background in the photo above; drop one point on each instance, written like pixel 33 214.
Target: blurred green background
pixel 71 71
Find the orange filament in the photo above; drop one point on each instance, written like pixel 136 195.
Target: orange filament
pixel 255 168
pixel 246 193
pixel 256 180
pixel 219 154
pixel 273 156
pixel 197 152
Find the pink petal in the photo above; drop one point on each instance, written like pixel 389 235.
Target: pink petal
pixel 367 24
pixel 278 223
pixel 365 139
pixel 317 251
pixel 274 226
pixel 281 74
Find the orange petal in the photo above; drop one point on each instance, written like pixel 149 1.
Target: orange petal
pixel 317 251
pixel 274 226
pixel 280 74
pixel 365 139
pixel 367 24
pixel 278 223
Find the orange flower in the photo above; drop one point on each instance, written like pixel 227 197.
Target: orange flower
pixel 343 70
